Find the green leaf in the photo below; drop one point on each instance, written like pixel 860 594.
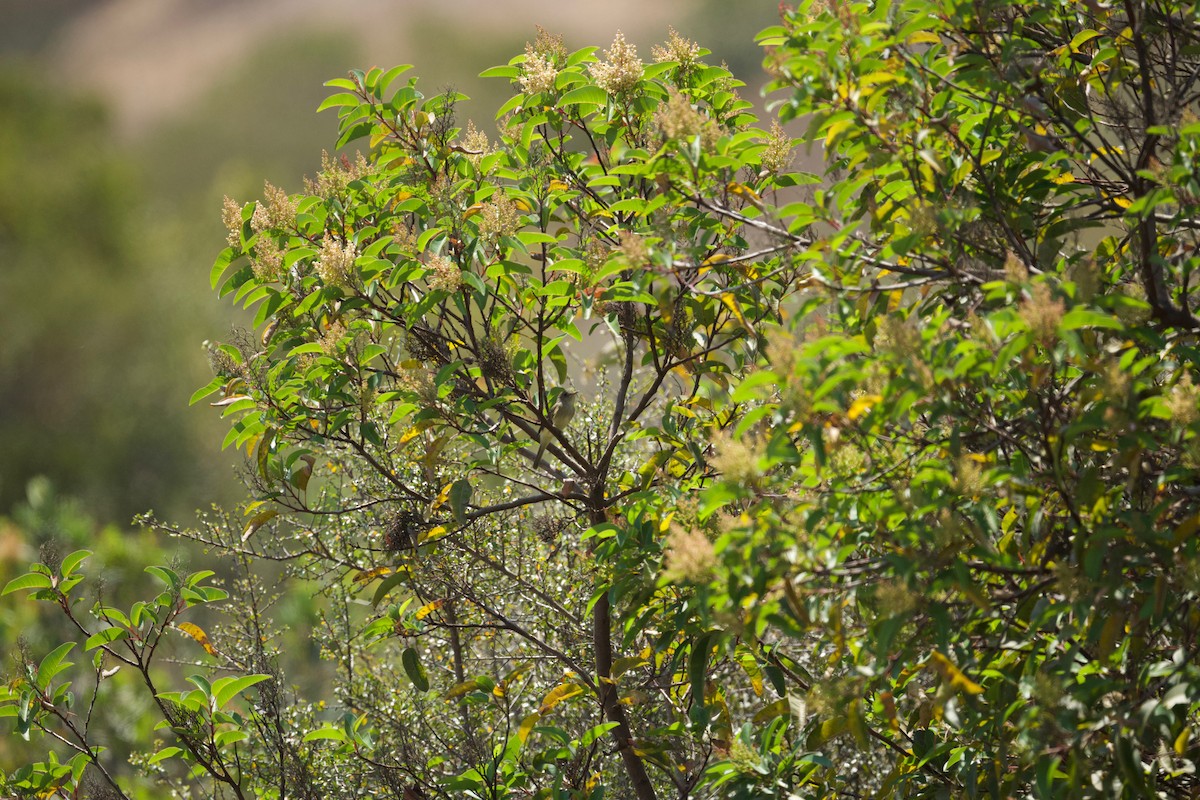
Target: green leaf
pixel 386 586
pixel 168 576
pixel 72 561
pixel 164 754
pixel 386 79
pixel 225 689
pixel 328 733
pixel 460 498
pixel 53 664
pixel 1088 318
pixel 596 732
pixel 413 668
pixel 30 580
pixel 339 100
pixel 584 95
pixel 505 71
pixel 106 636
pixel 203 392
pixel 226 738
pixel 220 265
pixel 698 664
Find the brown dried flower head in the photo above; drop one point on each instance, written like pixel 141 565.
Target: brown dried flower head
pixel 404 237
pixel 1184 401
pixel 1015 270
pixel 331 340
pixel 336 175
pixel 678 119
pixel 1042 313
pixel 537 73
pixel 231 218
pixel 635 249
pixel 690 556
pixel 444 274
pixel 736 458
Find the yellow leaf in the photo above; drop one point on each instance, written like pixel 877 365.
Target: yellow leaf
pixel 956 677
pixel 1114 626
pixel 1181 741
pixel 1122 201
pixel 836 128
pixel 366 576
pixel 1186 529
pixel 558 186
pixel 523 204
pixel 471 211
pixel 197 633
pixel 778 708
pixel 888 701
pixel 862 405
pixel 527 726
pixel 427 609
pixel 623 665
pixel 924 37
pixel 459 689
pixel 443 496
pixel 731 303
pixel 558 694
pixel 258 521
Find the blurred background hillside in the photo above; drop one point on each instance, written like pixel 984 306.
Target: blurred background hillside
pixel 123 124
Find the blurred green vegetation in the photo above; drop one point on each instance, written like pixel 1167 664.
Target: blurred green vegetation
pixel 47 525
pixel 95 363
pixel 106 251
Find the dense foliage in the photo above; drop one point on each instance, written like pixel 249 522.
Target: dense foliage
pixel 883 481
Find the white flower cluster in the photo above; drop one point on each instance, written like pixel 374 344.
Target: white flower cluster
pixel 335 260
pixel 622 70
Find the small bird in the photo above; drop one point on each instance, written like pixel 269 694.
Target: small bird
pixel 560 417
pixel 1036 107
pixel 1040 142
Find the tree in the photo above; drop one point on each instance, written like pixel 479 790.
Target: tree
pixel 882 481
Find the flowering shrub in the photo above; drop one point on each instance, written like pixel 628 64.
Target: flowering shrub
pixel 882 482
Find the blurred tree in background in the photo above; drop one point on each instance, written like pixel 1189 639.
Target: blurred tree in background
pixel 93 352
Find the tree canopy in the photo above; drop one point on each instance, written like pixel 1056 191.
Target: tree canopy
pixel 882 480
